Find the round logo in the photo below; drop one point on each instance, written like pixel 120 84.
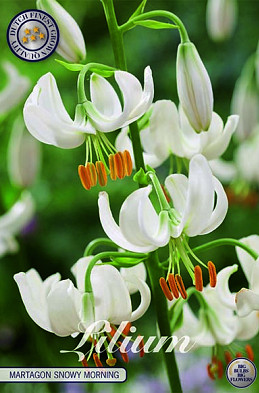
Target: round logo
pixel 241 372
pixel 32 35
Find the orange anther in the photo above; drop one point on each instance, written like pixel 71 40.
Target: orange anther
pixel 250 352
pixel 212 274
pixel 126 330
pixel 198 278
pixel 84 362
pixel 141 347
pixel 93 174
pixel 210 373
pixel 165 289
pixel 119 167
pixel 84 177
pixel 101 173
pixel 127 162
pixel 124 355
pixel 228 357
pixel 173 285
pixel 97 361
pixel 239 355
pixel 111 362
pixel 180 286
pixel 113 174
pixel 220 370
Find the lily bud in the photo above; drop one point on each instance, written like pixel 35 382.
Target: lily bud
pixel 71 41
pixel 194 87
pixel 221 18
pixel 23 156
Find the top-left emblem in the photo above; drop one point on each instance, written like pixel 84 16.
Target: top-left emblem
pixel 32 35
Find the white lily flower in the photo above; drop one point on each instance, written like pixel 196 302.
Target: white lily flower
pixel 105 110
pixel 198 211
pixel 12 222
pixel 71 44
pixel 24 156
pixel 194 87
pixel 221 18
pixel 169 132
pixel 248 168
pixel 56 305
pixel 248 299
pixel 47 119
pixel 15 89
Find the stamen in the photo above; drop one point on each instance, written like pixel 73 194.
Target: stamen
pixel 220 369
pixel 165 289
pixel 101 173
pixel 124 355
pixel 210 373
pixel 84 177
pixel 212 274
pixel 173 286
pixel 97 361
pixel 84 362
pixel 198 278
pixel 239 355
pixel 180 286
pixel 113 174
pixel 111 362
pixel 93 174
pixel 119 166
pixel 126 330
pixel 127 162
pixel 250 352
pixel 141 347
pixel 165 193
pixel 228 357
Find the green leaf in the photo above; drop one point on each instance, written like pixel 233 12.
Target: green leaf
pixel 139 10
pixel 104 73
pixel 154 24
pixel 126 261
pixel 69 66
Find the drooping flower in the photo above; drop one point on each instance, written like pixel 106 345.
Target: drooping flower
pixel 248 168
pixel 15 89
pixel 221 18
pixel 24 156
pixel 248 299
pixel 168 131
pixel 57 305
pixel 217 324
pixel 71 44
pixel 12 222
pixel 194 87
pixel 199 207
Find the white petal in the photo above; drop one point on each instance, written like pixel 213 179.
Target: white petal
pixel 112 230
pixel 247 262
pixel 220 210
pixel 177 186
pixel 64 304
pixel 248 326
pixel 139 271
pixel 225 171
pixel 104 97
pixel 225 296
pixel 145 297
pixel 247 301
pixel 34 297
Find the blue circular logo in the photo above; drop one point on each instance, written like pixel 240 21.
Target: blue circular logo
pixel 32 35
pixel 241 372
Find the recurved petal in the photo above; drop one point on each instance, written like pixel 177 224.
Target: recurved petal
pixel 139 271
pixel 177 186
pixel 113 231
pixel 145 297
pixel 226 297
pixel 247 262
pixel 248 326
pixel 104 97
pixel 64 306
pixel 220 210
pixel 33 296
pixel 247 301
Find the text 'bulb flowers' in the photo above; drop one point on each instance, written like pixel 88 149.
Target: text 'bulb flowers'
pixel 71 44
pixel 47 120
pixel 57 305
pixel 199 207
pixel 12 222
pixel 168 131
pixel 247 300
pixel 217 325
pixel 194 87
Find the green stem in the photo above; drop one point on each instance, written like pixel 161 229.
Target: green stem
pixel 102 241
pixel 227 242
pixel 160 302
pixel 116 36
pixel 154 14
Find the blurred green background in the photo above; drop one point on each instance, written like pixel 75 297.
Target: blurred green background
pixel 67 215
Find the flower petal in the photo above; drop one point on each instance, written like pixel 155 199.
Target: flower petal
pixel 223 292
pixel 145 297
pixel 248 326
pixel 247 262
pixel 104 97
pixel 139 271
pixel 225 171
pixel 247 301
